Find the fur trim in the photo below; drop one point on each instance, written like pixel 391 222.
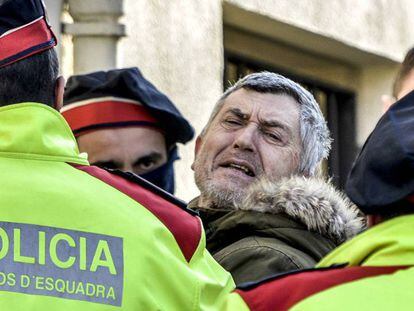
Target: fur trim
pixel 311 201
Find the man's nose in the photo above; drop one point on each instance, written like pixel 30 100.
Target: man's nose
pixel 245 138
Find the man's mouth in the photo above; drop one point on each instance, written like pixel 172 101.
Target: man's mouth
pixel 245 169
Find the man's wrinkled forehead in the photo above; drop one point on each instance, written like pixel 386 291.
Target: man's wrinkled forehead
pixel 268 107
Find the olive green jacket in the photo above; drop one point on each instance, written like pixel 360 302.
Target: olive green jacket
pixel 280 227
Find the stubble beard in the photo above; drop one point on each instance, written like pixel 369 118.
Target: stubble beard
pixel 217 195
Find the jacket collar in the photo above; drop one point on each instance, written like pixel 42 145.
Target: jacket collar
pixel 225 228
pixel 311 202
pixel 37 132
pixel 388 243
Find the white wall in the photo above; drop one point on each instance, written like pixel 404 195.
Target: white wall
pixel 381 27
pixel 54 12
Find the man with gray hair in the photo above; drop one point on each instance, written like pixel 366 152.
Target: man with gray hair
pixel 256 162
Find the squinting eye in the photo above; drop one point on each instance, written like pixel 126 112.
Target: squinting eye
pixel 232 122
pixel 271 136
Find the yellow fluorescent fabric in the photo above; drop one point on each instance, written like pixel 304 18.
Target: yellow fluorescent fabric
pixel 71 242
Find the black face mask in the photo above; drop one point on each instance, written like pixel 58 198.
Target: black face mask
pixel 163 176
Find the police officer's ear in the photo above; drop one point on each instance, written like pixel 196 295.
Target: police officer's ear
pixel 198 143
pixel 59 90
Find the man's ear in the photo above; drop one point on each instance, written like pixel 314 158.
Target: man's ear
pixel 197 147
pixel 198 143
pixel 59 90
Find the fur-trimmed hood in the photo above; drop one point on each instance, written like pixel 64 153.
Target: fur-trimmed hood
pixel 313 202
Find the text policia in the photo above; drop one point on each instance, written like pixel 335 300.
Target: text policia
pixel 61 262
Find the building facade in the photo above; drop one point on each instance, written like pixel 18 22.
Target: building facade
pixel 345 51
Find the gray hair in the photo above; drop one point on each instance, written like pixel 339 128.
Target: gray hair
pixel 316 141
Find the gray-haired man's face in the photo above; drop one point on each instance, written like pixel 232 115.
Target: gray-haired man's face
pixel 254 135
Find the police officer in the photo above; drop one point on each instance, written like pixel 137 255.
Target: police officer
pixel 74 236
pixel 123 122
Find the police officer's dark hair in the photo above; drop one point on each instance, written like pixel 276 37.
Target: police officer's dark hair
pixel 30 80
pixel 406 67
